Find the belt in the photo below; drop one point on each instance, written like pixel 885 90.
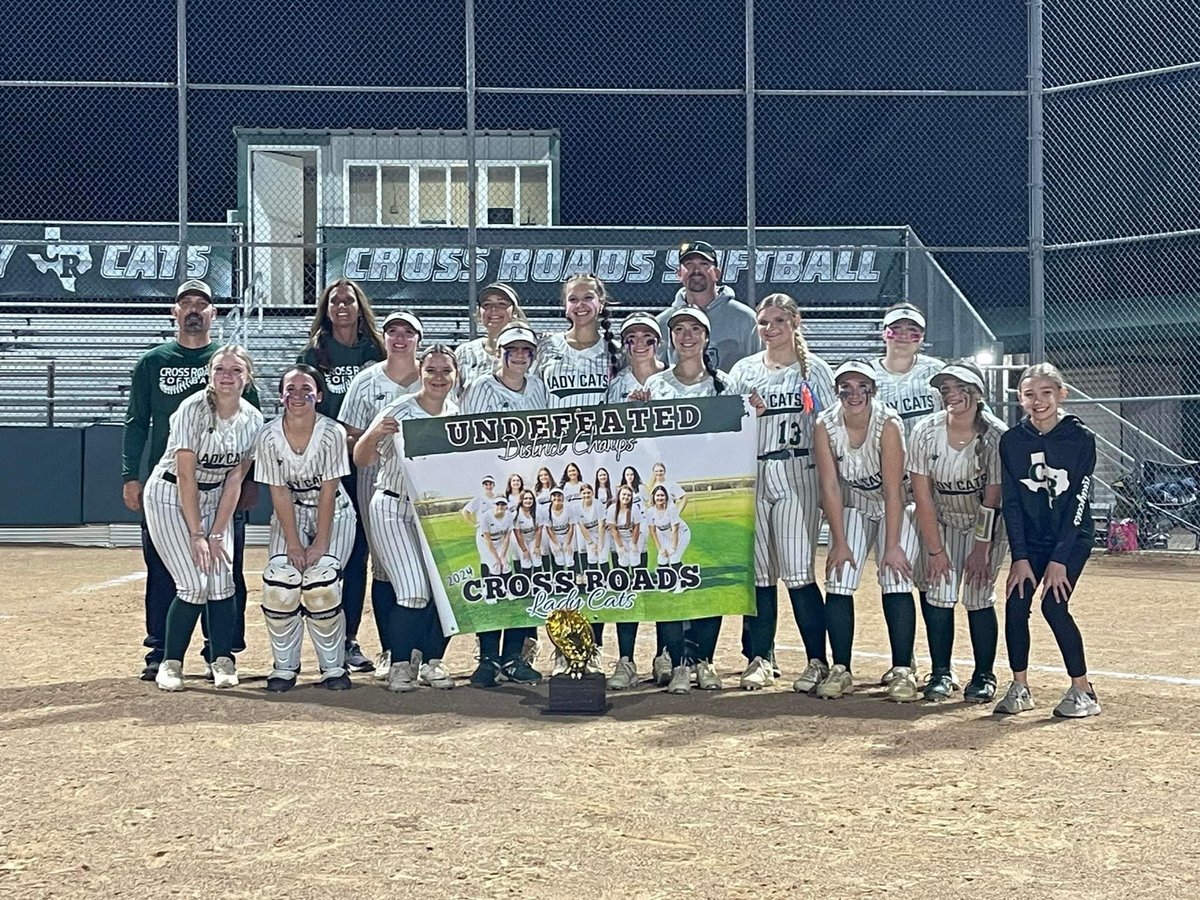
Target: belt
pixel 170 478
pixel 394 495
pixel 795 453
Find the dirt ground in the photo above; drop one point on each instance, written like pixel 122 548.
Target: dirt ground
pixel 111 788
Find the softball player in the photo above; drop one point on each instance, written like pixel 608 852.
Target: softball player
pixel 302 457
pixel 414 637
pixel 902 374
pixel 510 388
pixel 789 385
pixel 859 445
pixel 474 508
pixel 578 365
pixel 190 499
pixel 1047 464
pixel 527 534
pixel 560 530
pixel 493 532
pixel 512 493
pixel 543 485
pixel 603 488
pixel 640 337
pixel 671 534
pixel 692 375
pixel 591 535
pixel 371 390
pixel 497 306
pixel 571 484
pixel 954 468
pixel 344 338
pixel 625 524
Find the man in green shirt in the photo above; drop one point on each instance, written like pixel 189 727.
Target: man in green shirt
pixel 162 378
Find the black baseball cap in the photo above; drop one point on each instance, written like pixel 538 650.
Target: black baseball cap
pixel 697 248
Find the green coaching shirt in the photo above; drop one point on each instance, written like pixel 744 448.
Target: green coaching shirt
pixel 163 377
pixel 344 363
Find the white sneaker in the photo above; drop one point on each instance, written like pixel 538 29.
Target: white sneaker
pixel 560 665
pixel 892 674
pixel 402 678
pixel 681 681
pixel 662 668
pixel 384 665
pixel 170 675
pixel 595 665
pixel 435 674
pixel 1077 704
pixel 706 677
pixel 529 650
pixel 1016 699
pixel 758 674
pixel 903 688
pixel 224 672
pixel 814 673
pixel 838 683
pixel 624 675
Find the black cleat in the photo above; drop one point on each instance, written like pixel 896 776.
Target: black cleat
pixel 487 673
pixel 939 687
pixel 149 672
pixel 981 689
pixel 338 683
pixel 356 660
pixel 518 671
pixel 280 685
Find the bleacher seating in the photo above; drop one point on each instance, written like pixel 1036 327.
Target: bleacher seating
pixel 74 369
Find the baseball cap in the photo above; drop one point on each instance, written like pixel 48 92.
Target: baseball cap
pixel 962 373
pixel 501 289
pixel 403 315
pixel 559 491
pixel 194 286
pixel 855 366
pixel 690 312
pixel 500 501
pixel 645 320
pixel 697 248
pixel 905 314
pixel 516 334
pixel 487 478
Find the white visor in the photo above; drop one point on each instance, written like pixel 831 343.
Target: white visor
pixel 516 334
pixel 904 315
pixel 962 373
pixel 644 320
pixel 855 366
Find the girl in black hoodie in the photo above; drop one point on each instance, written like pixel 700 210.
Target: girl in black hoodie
pixel 1046 477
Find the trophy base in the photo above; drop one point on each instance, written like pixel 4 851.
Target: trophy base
pixel 584 696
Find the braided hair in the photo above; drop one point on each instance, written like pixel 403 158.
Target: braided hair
pixel 612 346
pixel 789 305
pixel 210 389
pixel 980 422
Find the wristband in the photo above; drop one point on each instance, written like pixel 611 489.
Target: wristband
pixel 985 524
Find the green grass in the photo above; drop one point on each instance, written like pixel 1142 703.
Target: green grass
pixel 722 544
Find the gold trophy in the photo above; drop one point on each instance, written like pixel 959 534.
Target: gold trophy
pixel 577 692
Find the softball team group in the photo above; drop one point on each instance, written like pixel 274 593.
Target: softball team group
pixel 899 455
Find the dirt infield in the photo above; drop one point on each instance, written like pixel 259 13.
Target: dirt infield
pixel 109 788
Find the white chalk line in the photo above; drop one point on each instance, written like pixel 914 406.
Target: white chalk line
pixel 112 582
pixel 1099 673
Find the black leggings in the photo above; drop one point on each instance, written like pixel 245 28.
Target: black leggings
pixel 1066 632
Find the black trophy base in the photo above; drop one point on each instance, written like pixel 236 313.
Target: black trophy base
pixel 577 696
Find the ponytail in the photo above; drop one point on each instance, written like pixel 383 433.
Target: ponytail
pixel 718 384
pixel 611 345
pixel 981 427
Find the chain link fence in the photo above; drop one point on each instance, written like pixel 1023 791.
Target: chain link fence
pixel 877 153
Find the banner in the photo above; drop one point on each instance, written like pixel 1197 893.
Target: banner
pixel 817 266
pixel 121 260
pixel 675 541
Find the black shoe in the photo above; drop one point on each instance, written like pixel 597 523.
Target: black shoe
pixel 338 683
pixel 518 671
pixel 981 689
pixel 486 673
pixel 280 685
pixel 356 660
pixel 150 671
pixel 939 687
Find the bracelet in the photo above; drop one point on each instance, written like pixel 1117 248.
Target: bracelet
pixel 937 552
pixel 216 536
pixel 196 534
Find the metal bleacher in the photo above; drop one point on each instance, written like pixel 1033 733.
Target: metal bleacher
pixel 74 369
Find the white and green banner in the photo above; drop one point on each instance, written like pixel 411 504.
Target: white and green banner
pixel 674 541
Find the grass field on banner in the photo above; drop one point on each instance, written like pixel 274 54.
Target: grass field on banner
pixel 722 525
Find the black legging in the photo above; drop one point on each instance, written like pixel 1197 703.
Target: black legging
pixel 1066 632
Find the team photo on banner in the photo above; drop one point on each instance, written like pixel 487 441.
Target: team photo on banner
pixel 632 512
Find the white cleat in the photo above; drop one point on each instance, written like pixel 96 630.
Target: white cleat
pixel 384 665
pixel 624 675
pixel 814 673
pixel 662 668
pixel 706 676
pixel 170 675
pixel 434 674
pixel 224 672
pixel 680 681
pixel 838 683
pixel 759 674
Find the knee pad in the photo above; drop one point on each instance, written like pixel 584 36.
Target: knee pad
pixel 281 587
pixel 321 589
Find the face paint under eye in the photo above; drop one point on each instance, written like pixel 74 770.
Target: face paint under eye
pixel 904 335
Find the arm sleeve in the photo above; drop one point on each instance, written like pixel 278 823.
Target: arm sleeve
pixel 1014 517
pixel 1076 512
pixel 137 422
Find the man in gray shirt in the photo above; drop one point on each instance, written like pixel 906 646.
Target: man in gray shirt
pixel 734 333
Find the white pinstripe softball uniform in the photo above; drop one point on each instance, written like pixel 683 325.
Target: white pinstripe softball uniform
pixel 560 536
pixel 369 392
pixel 625 546
pixel 528 527
pixel 591 537
pixel 787 493
pixel 395 543
pixel 622 385
pixel 489 395
pixel 957 479
pixel 324 458
pixel 663 522
pixel 220 445
pixel 573 377
pixel 497 531
pixel 474 362
pixel 860 475
pixel 910 394
pixel 665 386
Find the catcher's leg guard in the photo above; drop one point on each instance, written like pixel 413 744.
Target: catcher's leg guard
pixel 321 595
pixel 281 607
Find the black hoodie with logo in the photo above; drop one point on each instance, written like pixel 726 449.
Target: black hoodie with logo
pixel 1047 484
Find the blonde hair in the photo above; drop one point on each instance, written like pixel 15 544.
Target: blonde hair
pixel 210 391
pixel 1043 370
pixel 789 305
